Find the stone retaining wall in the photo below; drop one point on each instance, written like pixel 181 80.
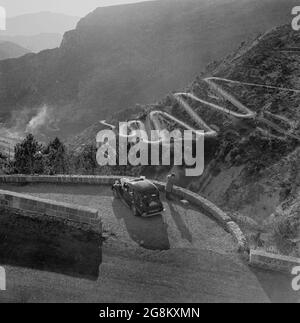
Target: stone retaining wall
pixel 273 262
pixel 206 206
pixel 63 179
pixel 212 210
pixel 26 205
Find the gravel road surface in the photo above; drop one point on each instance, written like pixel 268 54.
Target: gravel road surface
pixel 180 256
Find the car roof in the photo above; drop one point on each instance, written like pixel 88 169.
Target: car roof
pixel 142 185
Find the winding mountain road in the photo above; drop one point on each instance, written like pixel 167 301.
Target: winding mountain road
pixel 244 113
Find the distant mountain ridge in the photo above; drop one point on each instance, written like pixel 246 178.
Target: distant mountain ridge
pixel 122 55
pixel 11 50
pixel 36 43
pixel 38 31
pixel 39 23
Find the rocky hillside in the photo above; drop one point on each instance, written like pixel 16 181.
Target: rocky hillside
pixel 122 55
pixel 256 173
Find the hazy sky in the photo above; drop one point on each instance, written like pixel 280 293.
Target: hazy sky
pixel 71 7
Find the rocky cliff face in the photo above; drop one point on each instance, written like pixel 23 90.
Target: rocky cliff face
pixel 254 151
pixel 255 172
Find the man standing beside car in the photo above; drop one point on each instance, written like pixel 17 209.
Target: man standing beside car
pixel 169 186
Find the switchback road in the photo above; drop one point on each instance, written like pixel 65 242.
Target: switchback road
pixel 240 112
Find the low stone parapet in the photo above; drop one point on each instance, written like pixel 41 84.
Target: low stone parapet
pixel 273 262
pixel 26 205
pixel 203 204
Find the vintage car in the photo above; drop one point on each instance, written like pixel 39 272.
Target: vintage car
pixel 140 194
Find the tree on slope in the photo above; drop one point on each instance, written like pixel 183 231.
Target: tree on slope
pixel 55 158
pixel 28 156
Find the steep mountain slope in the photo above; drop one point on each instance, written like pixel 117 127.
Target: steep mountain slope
pixel 257 174
pixel 11 50
pixel 272 60
pixel 122 55
pixel 36 43
pixel 252 168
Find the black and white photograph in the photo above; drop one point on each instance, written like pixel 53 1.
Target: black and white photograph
pixel 149 154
